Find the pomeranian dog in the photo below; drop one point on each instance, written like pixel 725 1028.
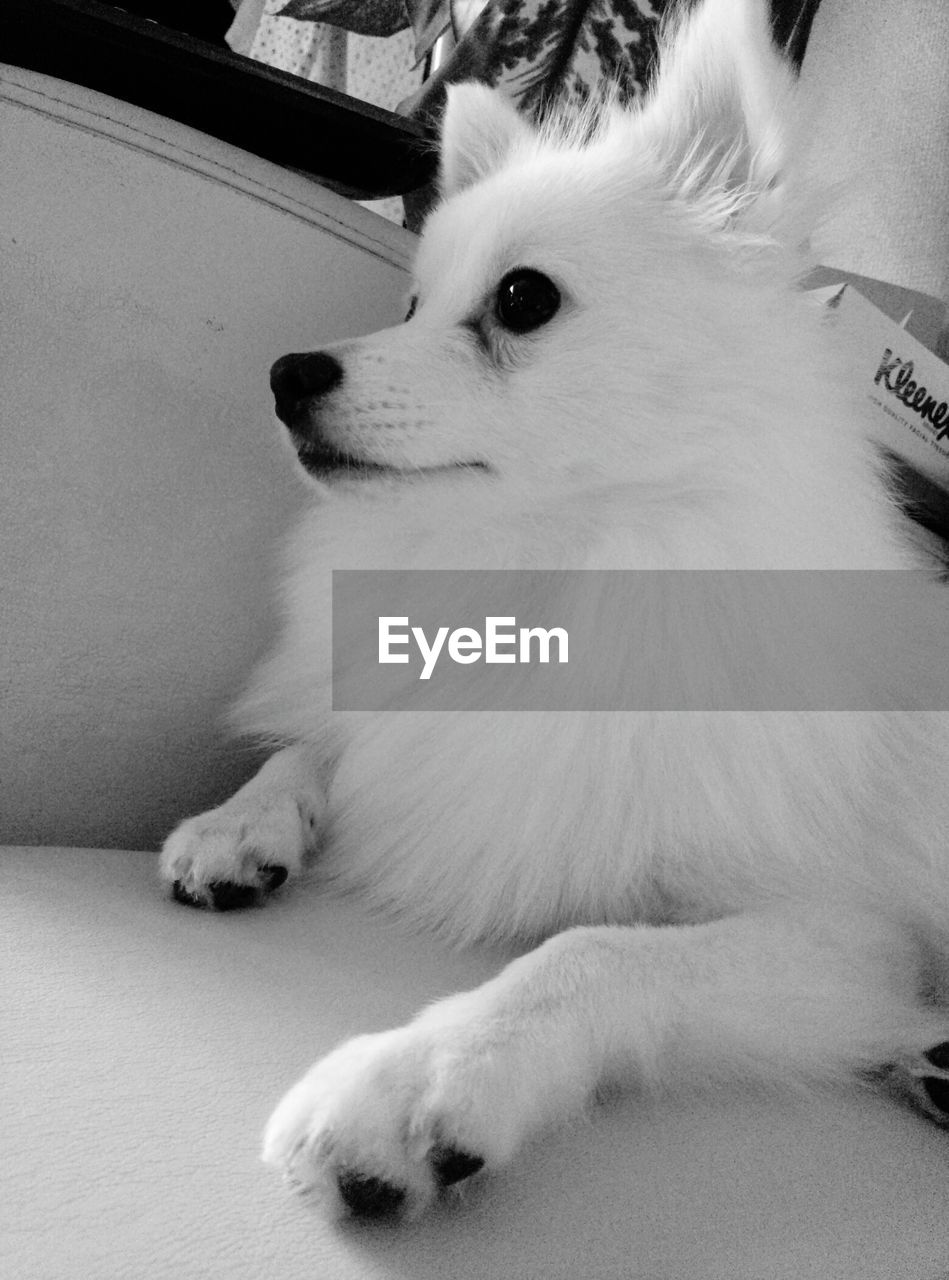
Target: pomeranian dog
pixel 610 364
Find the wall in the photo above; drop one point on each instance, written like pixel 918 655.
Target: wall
pixel 148 278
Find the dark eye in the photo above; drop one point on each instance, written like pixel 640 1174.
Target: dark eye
pixel 412 305
pixel 525 300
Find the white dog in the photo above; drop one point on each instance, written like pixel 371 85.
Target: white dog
pixel 610 366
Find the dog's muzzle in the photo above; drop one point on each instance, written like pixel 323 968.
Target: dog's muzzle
pixel 298 380
pixel 298 383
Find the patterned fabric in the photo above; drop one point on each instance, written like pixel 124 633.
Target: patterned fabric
pixel 380 71
pixel 372 69
pixel 427 18
pixel 538 51
pixel 535 51
pixel 364 17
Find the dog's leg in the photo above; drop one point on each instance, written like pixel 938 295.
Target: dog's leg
pixel 233 855
pixel 385 1121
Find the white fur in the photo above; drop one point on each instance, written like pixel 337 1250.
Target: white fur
pixel 682 410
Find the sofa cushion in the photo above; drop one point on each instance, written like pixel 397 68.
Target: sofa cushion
pixel 145 1044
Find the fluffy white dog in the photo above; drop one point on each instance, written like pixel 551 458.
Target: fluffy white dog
pixel 610 365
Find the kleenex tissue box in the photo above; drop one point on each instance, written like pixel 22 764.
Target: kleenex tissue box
pixel 889 334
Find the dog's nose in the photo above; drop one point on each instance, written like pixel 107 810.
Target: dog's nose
pixel 307 376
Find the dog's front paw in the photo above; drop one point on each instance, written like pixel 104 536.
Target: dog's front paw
pixel 235 855
pixel 384 1123
pixel 925 1081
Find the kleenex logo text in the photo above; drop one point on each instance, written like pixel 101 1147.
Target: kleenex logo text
pixel 897 376
pixel 466 645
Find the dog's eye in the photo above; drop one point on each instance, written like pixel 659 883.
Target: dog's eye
pixel 412 305
pixel 525 300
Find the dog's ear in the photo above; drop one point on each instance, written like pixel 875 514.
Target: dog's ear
pixel 480 128
pixel 719 110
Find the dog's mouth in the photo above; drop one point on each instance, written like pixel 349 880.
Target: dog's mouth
pixel 327 463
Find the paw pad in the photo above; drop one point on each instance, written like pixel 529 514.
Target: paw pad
pixel 937 1091
pixel 226 895
pixel 938 1056
pixel 450 1165
pixel 369 1197
pixel 937 1086
pixel 272 877
pixel 924 1083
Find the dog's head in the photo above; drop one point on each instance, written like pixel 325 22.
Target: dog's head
pixel 582 288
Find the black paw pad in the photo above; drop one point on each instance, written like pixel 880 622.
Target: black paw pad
pixel 272 877
pixel 938 1056
pixel 451 1165
pixel 221 895
pixel 226 896
pixel 370 1197
pixel 938 1093
pixel 181 894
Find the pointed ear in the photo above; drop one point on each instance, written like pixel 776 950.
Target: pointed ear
pixel 717 113
pixel 480 128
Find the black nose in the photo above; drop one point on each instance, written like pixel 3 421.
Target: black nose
pixel 296 378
